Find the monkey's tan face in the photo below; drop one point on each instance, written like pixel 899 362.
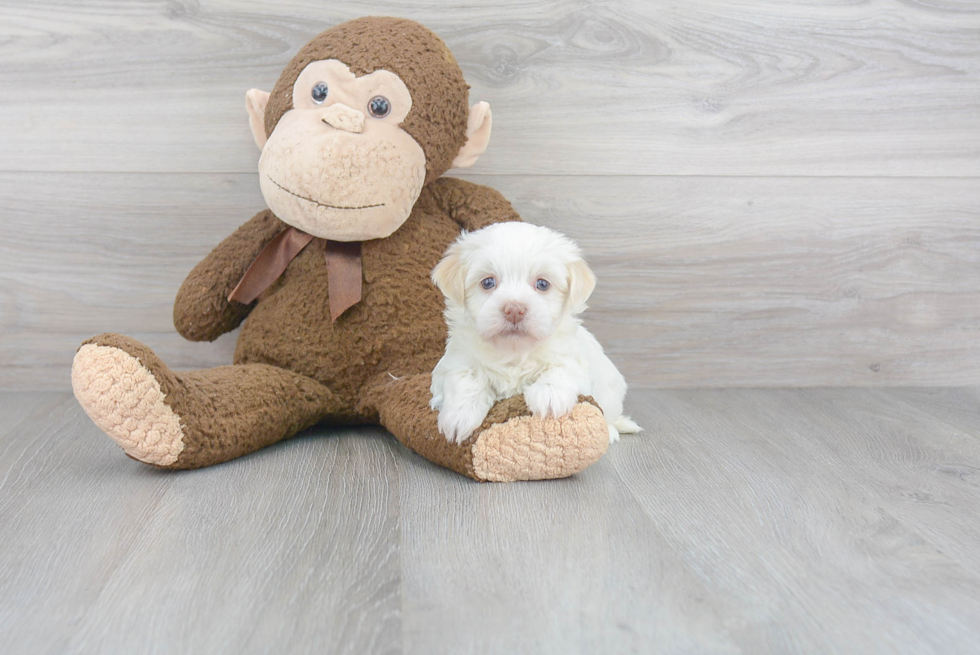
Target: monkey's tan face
pixel 338 165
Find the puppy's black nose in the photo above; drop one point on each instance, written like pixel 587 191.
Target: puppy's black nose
pixel 514 311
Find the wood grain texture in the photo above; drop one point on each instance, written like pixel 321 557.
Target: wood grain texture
pixel 702 281
pixel 109 556
pixel 604 577
pixel 764 87
pixel 742 521
pixel 766 491
pixel 773 193
pixel 919 465
pixel 955 406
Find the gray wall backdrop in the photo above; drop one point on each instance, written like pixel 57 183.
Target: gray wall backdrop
pixel 771 192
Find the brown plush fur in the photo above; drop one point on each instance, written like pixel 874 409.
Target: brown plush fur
pixel 230 411
pixel 293 365
pixel 397 326
pixel 346 369
pixel 437 120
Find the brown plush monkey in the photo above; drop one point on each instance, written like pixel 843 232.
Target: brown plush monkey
pixel 343 325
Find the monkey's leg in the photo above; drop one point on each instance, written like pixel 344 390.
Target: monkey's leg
pixel 189 420
pixel 510 445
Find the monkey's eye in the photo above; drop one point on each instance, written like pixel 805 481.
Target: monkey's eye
pixel 488 283
pixel 542 285
pixel 319 92
pixel 379 106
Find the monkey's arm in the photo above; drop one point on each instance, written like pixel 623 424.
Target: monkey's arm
pixel 471 205
pixel 202 311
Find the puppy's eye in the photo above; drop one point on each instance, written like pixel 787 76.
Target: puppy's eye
pixel 542 285
pixel 488 283
pixel 319 92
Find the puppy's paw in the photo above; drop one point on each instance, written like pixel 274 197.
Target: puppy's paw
pixel 458 423
pixel 545 399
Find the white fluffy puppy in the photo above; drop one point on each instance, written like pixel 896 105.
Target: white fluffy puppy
pixel 513 291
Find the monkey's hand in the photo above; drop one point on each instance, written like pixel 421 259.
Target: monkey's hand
pixel 202 311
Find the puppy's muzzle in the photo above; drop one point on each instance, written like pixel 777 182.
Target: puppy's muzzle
pixel 514 312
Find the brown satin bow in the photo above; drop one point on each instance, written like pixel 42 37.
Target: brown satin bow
pixel 343 269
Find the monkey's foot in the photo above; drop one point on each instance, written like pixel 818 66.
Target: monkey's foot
pixel 118 388
pixel 510 445
pixel 191 419
pixel 533 448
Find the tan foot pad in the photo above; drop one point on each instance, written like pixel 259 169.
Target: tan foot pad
pixel 529 448
pixel 124 399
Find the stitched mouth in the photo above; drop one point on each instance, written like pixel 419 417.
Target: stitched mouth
pixel 317 202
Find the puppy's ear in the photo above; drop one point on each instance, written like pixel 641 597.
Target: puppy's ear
pixel 581 282
pixel 450 275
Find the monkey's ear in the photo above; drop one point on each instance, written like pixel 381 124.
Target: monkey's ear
pixel 581 283
pixel 477 136
pixel 450 275
pixel 255 102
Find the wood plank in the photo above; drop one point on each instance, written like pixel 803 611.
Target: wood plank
pixel 762 521
pixel 18 408
pixel 954 407
pixel 798 550
pixel 293 546
pixel 702 281
pixel 759 87
pixel 569 566
pixel 919 466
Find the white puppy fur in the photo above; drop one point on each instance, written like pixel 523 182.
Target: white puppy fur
pixel 513 292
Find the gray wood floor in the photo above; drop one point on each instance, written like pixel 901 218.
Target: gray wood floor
pixel 752 521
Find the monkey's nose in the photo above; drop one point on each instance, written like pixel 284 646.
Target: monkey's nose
pixel 514 312
pixel 342 117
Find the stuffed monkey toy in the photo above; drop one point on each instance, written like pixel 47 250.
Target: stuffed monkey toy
pixel 343 324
